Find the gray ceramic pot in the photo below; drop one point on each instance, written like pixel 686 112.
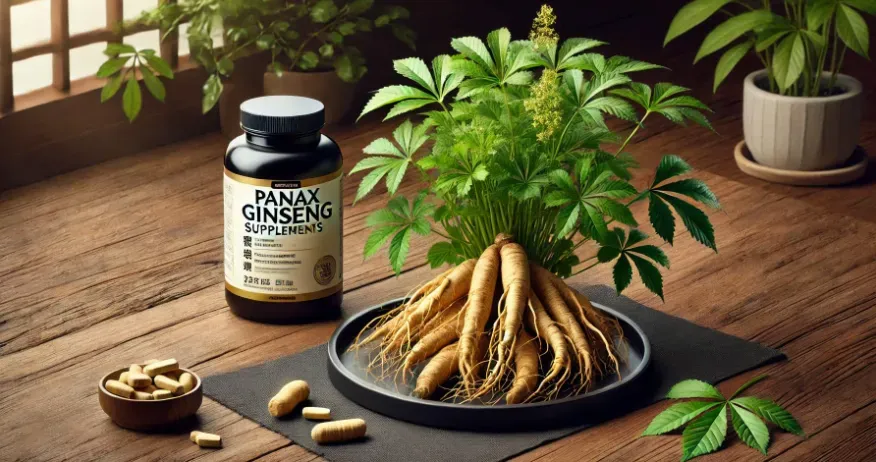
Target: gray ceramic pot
pixel 801 133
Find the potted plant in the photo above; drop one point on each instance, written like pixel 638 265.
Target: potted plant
pixel 799 112
pixel 309 42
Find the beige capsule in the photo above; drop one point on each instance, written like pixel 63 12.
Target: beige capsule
pixel 316 413
pixel 161 367
pixel 143 396
pixel 194 435
pixel 187 381
pixel 162 394
pixel 135 368
pixel 149 388
pixel 338 431
pixel 290 396
pixel 123 377
pixel 139 379
pixel 208 440
pixel 167 383
pixel 119 389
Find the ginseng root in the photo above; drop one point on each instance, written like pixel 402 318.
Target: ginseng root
pixel 525 369
pixel 437 371
pixel 476 314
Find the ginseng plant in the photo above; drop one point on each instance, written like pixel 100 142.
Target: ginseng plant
pixel 523 171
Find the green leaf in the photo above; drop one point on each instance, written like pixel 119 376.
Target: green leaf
pixel 692 15
pixel 371 162
pixel 115 49
pixel 308 60
pixel 669 167
pixel 323 11
pixel 347 28
pixel 384 217
pixel 747 385
pixel 789 60
pixel 868 6
pixel 818 12
pixel 370 180
pixel 750 429
pixel 159 65
pixel 728 61
pixel 693 188
pixel 393 94
pixel 607 254
pixel 441 253
pixel 677 415
pixel 732 29
pixel 622 273
pixel 653 252
pixel 661 218
pixel 398 249
pixel 474 49
pixel 111 66
pixel 407 106
pixel 852 29
pixel 567 219
pixel 153 84
pixel 416 70
pixel 327 50
pixel 212 89
pixel 693 388
pixel 377 239
pixel 771 412
pixel 395 176
pixel 696 222
pixel 132 100
pixel 650 275
pixel 705 434
pixel 112 87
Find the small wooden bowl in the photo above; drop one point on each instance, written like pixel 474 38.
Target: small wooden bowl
pixel 152 414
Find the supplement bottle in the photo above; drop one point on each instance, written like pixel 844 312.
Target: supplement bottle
pixel 283 213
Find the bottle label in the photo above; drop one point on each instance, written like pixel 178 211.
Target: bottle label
pixel 283 238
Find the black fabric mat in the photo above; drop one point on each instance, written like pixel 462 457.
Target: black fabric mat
pixel 680 350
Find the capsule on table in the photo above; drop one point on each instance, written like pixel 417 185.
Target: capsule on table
pixel 316 413
pixel 161 367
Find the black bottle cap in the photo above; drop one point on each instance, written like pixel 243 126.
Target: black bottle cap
pixel 282 115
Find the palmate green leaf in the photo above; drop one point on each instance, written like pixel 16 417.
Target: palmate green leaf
pixel 731 29
pixel 696 222
pixel 750 428
pixel 567 219
pixel 694 188
pixel 474 49
pixel 111 66
pixel 705 434
pixel 670 166
pixel 649 274
pixel 771 412
pixel 661 218
pixel 372 162
pixel 852 29
pixel 416 70
pixel 132 99
pixel 377 239
pixel 112 87
pixel 499 41
pixel 789 60
pixel 571 49
pixel 692 15
pixel 868 6
pixel 622 274
pixel 370 180
pixel 818 12
pixel 398 249
pixel 153 84
pixel 728 61
pixel 677 415
pixel 159 65
pixel 394 94
pixel 651 251
pixel 769 36
pixel 693 388
pixel 596 221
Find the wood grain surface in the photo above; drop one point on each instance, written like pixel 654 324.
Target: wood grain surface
pixel 122 261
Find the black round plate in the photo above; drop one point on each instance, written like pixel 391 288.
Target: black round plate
pixel 606 398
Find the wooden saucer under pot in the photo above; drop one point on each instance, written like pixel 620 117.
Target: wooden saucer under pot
pixel 854 169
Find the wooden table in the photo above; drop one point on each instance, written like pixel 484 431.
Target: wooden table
pixel 122 261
